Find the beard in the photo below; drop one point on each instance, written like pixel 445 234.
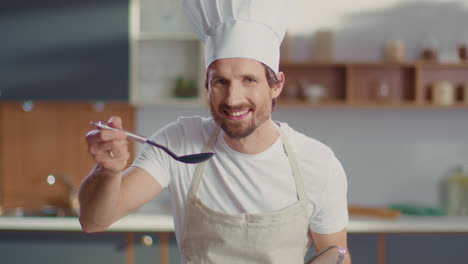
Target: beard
pixel 238 129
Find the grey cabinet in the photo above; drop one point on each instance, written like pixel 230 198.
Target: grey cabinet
pixel 70 248
pixel 24 247
pixel 155 248
pixel 407 248
pixel 427 248
pixel 64 50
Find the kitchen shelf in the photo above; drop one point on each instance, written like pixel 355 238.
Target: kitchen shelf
pixel 159 36
pixel 163 50
pixel 371 84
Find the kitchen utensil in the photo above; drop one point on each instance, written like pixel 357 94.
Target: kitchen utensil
pixel 193 158
pixel 330 255
pixel 418 210
pixel 379 212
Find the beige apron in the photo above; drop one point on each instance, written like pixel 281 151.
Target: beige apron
pixel 273 237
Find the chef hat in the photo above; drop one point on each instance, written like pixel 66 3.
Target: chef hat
pixel 239 28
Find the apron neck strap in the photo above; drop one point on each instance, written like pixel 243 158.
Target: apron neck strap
pixel 296 171
pixel 200 166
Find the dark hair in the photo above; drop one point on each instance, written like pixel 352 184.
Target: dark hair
pixel 271 77
pixel 272 81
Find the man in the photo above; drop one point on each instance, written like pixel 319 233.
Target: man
pixel 267 193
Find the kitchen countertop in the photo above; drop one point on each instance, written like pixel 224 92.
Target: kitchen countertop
pixel 164 223
pixel 130 223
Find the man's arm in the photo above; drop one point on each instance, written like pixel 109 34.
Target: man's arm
pixel 108 192
pixel 323 241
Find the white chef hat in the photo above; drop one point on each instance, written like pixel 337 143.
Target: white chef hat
pixel 239 28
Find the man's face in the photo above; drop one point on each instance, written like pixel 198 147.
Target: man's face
pixel 239 95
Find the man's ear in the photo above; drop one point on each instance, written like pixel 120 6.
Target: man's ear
pixel 276 90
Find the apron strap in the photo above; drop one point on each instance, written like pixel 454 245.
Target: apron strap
pixel 298 179
pixel 200 166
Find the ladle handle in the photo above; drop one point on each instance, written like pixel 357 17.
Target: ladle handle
pixel 132 136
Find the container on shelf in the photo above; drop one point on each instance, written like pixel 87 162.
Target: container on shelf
pixel 463 52
pixel 313 92
pixel 430 50
pixel 443 93
pixel 457 192
pixel 323 45
pixel 394 51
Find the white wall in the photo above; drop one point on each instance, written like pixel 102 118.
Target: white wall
pixel 362 26
pixel 390 155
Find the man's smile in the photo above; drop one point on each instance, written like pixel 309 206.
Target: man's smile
pixel 237 114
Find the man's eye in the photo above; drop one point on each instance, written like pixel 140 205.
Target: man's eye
pixel 219 82
pixel 250 80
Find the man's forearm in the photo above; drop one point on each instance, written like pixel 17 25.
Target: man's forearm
pixel 99 197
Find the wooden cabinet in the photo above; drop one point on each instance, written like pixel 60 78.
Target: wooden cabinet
pixel 371 84
pixel 40 138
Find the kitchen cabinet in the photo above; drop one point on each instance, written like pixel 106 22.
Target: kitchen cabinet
pixel 165 55
pixel 371 84
pixel 58 248
pixel 430 240
pixel 64 50
pixel 155 248
pixel 38 138
pixel 77 247
pixel 395 248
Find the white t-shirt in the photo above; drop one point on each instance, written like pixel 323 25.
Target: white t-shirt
pixel 237 183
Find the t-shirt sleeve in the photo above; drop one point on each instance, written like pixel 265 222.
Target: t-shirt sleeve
pixel 332 213
pixel 154 160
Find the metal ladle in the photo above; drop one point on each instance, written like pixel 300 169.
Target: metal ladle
pixel 193 158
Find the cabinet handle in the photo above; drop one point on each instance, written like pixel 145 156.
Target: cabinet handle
pixel 146 241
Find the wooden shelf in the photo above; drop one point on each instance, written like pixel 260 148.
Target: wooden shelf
pixel 372 84
pixel 176 102
pixel 296 103
pixel 436 65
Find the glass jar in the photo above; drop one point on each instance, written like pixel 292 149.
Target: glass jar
pixel 457 193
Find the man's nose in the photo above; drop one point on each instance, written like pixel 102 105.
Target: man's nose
pixel 234 95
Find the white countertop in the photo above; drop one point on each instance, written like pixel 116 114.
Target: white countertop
pixel 131 223
pixel 410 224
pixel 164 223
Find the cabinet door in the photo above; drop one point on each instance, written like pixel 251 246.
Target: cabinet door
pixel 156 248
pixel 59 248
pixel 64 50
pixel 427 248
pixel 363 248
pixel 42 138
